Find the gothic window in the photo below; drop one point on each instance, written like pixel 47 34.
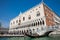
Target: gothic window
pixel 29 17
pixel 33 9
pixel 34 24
pixel 36 9
pixel 23 18
pixel 38 22
pixel 16 21
pixel 19 20
pixel 20 32
pixel 38 13
pixel 27 31
pixel 43 22
pixel 39 7
pixel 13 22
pixel 33 29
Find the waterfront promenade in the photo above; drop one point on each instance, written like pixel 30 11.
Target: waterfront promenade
pixel 10 35
pixel 17 35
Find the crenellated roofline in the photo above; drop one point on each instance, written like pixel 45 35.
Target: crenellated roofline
pixel 21 13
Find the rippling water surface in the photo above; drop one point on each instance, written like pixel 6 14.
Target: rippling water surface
pixel 29 38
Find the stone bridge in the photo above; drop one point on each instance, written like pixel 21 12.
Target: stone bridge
pixel 52 29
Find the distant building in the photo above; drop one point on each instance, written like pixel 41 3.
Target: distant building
pixel 3 30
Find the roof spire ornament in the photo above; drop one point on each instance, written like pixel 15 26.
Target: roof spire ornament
pixel 20 13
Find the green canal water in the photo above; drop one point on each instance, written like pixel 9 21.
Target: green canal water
pixel 29 38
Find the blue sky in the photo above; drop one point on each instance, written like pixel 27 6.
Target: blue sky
pixel 9 9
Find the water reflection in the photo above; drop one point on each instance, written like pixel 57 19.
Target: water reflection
pixel 3 38
pixel 41 38
pixel 29 38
